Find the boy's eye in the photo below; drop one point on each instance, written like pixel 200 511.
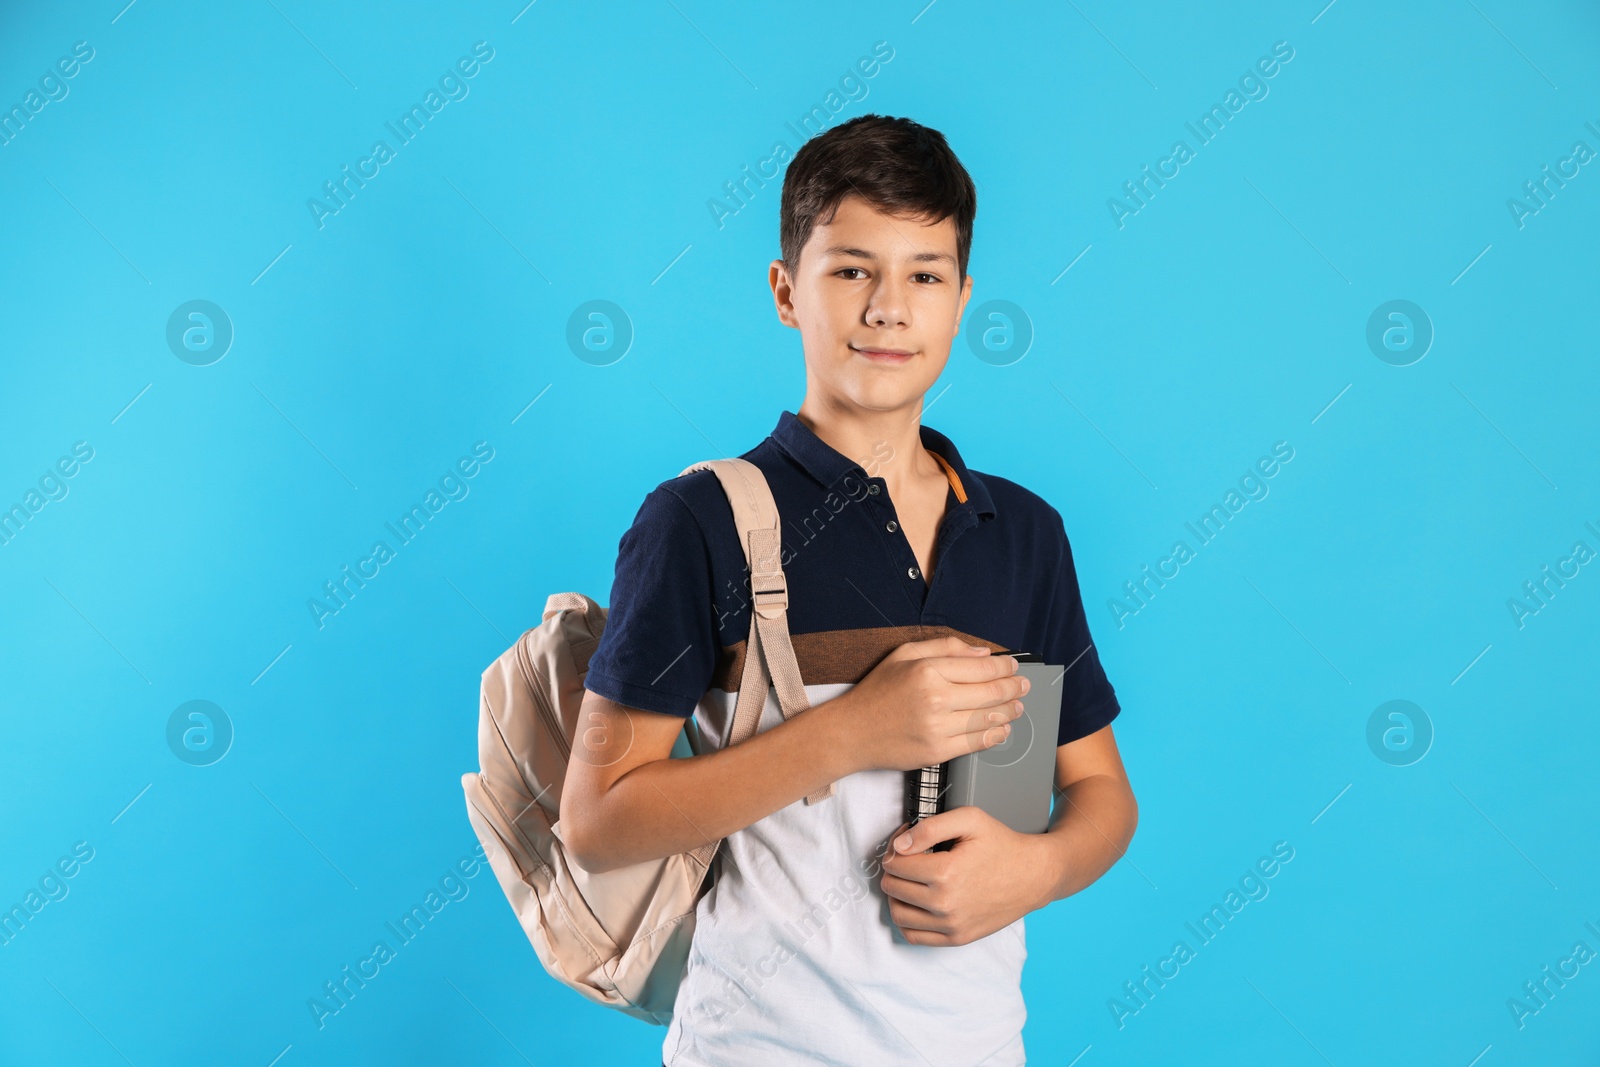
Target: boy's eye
pixel 922 276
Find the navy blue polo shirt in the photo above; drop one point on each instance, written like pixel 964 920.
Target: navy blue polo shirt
pixel 1003 575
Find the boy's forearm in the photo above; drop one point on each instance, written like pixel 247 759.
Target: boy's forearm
pixel 674 805
pixel 1094 821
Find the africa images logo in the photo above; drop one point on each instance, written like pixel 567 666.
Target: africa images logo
pixel 453 485
pixel 452 86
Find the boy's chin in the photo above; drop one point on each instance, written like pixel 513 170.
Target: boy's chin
pixel 887 396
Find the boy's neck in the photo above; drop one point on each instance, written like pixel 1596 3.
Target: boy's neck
pixel 863 435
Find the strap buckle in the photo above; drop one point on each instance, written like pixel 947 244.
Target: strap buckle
pixel 770 603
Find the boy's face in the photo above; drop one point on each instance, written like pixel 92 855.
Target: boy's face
pixel 869 286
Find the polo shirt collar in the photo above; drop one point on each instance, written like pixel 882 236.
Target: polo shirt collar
pixel 829 466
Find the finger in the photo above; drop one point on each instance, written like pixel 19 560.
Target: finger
pixel 943 648
pixel 888 843
pixel 979 728
pixel 909 892
pixel 971 668
pixel 911 917
pixel 976 685
pixel 927 832
pixel 927 868
pixel 967 723
pixel 926 937
pixel 989 736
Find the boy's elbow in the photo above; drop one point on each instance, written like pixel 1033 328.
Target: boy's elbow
pixel 1131 818
pixel 584 847
pixel 605 814
pixel 576 829
pixel 583 856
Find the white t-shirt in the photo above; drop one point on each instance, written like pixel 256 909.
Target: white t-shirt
pixel 796 961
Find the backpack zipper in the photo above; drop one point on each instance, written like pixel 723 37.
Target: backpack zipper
pixel 536 682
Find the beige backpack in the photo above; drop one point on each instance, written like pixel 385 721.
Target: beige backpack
pixel 621 937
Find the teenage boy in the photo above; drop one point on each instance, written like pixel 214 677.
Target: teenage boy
pixel 820 941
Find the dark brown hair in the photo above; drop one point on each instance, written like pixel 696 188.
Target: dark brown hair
pixel 898 166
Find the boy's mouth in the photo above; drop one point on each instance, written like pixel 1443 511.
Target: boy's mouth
pixel 885 355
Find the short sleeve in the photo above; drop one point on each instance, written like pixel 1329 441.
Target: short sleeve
pixel 657 651
pixel 1088 700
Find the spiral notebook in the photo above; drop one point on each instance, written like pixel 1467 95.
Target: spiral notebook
pixel 1014 781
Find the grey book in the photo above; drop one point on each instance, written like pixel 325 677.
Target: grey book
pixel 1013 781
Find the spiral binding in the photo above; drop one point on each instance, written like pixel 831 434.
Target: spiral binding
pixel 925 789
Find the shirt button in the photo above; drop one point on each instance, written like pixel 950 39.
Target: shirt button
pixel 893 526
pixel 911 572
pixel 873 489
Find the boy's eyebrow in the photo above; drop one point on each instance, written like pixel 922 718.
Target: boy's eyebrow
pixel 859 253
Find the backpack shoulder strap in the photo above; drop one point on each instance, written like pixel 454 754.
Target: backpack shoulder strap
pixel 769 654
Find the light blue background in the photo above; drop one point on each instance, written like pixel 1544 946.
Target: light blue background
pixel 1228 314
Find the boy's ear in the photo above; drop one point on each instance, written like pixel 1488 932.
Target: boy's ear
pixel 782 293
pixel 961 307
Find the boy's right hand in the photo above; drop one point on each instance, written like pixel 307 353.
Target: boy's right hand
pixel 930 701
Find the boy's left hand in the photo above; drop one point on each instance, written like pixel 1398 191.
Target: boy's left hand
pixel 987 880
